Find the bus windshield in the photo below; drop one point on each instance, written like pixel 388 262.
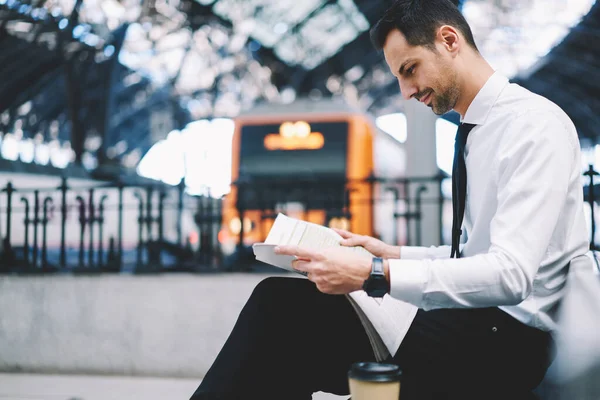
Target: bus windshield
pixel 267 151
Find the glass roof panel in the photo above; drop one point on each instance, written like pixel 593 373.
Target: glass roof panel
pixel 272 19
pixel 334 22
pixel 513 34
pixel 295 29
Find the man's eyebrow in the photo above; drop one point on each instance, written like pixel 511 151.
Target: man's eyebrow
pixel 401 70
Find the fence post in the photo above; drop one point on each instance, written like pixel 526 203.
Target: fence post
pixel 26 225
pixel 120 227
pixel 217 228
pixel 101 230
pixel 138 196
pixel 408 206
pixel 242 214
pixel 47 203
pixel 440 178
pixel 148 220
pixel 180 191
pixel 419 213
pixel 161 216
pixel 10 189
pixel 63 223
pixel 591 199
pixel 36 221
pixel 396 213
pixel 82 222
pixel 91 222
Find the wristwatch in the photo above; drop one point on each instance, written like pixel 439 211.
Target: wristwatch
pixel 376 285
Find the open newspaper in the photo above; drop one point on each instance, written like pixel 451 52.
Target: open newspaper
pixel 385 320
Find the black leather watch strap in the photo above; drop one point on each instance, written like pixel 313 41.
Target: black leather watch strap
pixel 376 285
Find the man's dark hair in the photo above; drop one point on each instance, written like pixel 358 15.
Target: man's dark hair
pixel 418 21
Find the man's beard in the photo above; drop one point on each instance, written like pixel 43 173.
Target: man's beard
pixel 445 102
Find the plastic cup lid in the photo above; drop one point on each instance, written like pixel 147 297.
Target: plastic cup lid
pixel 375 372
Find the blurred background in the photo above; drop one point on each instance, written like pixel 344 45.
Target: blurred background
pixel 145 145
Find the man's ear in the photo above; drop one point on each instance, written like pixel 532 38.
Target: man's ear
pixel 449 38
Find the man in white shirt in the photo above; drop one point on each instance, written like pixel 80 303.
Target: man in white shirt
pixel 482 329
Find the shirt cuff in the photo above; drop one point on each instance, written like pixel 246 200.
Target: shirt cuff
pixel 413 252
pixel 407 280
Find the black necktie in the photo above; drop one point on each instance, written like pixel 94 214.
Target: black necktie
pixel 459 186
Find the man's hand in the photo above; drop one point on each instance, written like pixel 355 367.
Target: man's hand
pixel 372 245
pixel 334 270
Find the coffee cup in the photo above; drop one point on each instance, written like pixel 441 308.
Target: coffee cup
pixel 374 381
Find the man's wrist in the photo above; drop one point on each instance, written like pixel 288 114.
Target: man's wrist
pixel 386 270
pixel 393 253
pixel 377 284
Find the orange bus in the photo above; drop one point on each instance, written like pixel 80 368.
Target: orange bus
pixel 312 160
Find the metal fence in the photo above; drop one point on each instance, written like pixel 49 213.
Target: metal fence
pixel 398 206
pixel 90 227
pixel 106 228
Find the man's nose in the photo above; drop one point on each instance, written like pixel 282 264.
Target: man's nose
pixel 407 90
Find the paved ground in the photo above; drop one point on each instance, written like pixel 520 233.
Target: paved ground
pixel 68 387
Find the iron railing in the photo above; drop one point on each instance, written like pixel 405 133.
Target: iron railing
pixel 106 227
pixel 85 228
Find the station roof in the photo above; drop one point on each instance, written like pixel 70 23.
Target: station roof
pixel 196 59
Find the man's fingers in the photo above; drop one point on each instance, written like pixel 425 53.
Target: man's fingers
pixel 343 233
pixel 353 241
pixel 302 265
pixel 295 251
pixel 350 239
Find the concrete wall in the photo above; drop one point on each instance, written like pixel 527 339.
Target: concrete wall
pixel 162 325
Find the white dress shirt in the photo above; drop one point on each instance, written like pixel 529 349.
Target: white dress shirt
pixel 524 217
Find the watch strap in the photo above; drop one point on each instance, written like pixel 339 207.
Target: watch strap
pixel 376 285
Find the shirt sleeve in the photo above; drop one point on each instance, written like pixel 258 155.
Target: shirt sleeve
pixel 421 252
pixel 533 167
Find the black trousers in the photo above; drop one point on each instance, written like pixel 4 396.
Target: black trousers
pixel 291 340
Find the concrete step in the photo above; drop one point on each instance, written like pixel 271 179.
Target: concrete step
pixel 86 387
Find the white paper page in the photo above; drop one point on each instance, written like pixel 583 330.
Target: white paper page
pixel 264 252
pixel 318 237
pixel 391 318
pixel 282 230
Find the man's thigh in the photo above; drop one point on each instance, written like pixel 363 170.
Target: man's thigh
pixel 290 341
pixel 327 334
pixel 482 350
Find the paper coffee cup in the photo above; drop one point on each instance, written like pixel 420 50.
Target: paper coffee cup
pixel 374 381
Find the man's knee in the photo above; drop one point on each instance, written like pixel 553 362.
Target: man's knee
pixel 276 287
pixel 280 297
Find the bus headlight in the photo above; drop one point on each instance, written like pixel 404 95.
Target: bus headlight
pixel 235 225
pixel 340 223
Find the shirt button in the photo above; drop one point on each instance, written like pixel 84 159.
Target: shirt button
pixel 494 329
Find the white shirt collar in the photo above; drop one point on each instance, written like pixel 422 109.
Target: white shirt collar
pixel 483 102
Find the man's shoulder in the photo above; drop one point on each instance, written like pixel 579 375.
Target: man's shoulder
pixel 517 101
